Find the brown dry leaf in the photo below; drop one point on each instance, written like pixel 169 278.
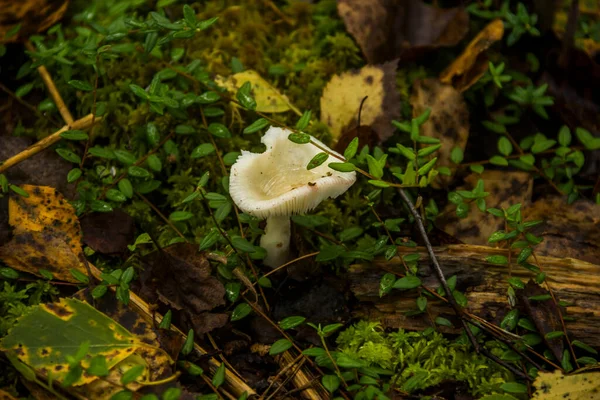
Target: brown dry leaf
pixel 180 277
pixel 544 314
pixel 108 233
pixel 268 99
pixel 33 15
pixel 449 119
pixel 157 361
pixel 568 231
pixel 388 29
pixel 46 234
pixel 343 94
pixel 504 188
pixel 473 62
pixel 556 386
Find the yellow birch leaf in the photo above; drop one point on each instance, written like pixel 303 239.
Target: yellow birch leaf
pixel 268 99
pixel 46 234
pixel 556 386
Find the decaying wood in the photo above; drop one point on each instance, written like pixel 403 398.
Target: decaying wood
pixel 485 285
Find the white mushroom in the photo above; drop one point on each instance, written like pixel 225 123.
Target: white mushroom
pixel 277 184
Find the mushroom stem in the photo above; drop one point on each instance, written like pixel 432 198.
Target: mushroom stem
pixel 276 240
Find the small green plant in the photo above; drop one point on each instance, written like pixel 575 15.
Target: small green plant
pixel 533 97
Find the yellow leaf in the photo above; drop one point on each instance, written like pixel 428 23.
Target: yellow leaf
pixel 472 63
pixel 343 94
pixel 556 386
pixel 268 99
pixel 46 234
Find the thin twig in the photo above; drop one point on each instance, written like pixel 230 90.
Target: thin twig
pixel 47 78
pixel 161 215
pixel 81 124
pixel 29 106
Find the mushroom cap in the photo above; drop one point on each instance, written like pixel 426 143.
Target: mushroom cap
pixel 277 183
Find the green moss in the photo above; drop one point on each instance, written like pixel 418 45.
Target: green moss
pixel 420 360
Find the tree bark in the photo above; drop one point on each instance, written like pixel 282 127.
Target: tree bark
pixel 485 285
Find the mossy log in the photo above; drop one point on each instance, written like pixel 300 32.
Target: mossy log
pixel 485 285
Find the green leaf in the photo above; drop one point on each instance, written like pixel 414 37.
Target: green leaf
pixel 240 311
pixel 514 387
pixel 497 259
pixel 350 233
pixel 375 167
pixel 378 183
pixel 69 155
pixel 188 345
pixel 428 150
pixel 243 245
pixel 132 374
pixel 256 126
pixel 317 160
pixel 80 276
pixel 207 98
pixel 115 195
pixel 541 297
pixel 219 130
pixel 138 172
pixel 407 282
pixel 564 136
pixel 189 15
pixel 74 135
pixel 139 92
pixel 584 346
pixel 443 322
pixel 180 216
pixel 98 365
pixel 386 283
pixel 427 167
pixel 498 160
pixel 219 377
pixel 542 145
pixel 524 255
pixel 504 146
pixel 126 188
pixel 421 303
pixel 304 120
pixel 124 156
pixel 73 175
pixel 69 320
pixel 291 322
pixel 342 167
pixel 330 382
pixel 166 321
pixel 280 346
pixel 351 150
pixel 406 152
pixel 23 90
pixel 299 138
pixel 244 96
pixel 203 150
pixel 81 85
pixel 554 335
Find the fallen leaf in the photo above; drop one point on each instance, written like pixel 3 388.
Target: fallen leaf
pixel 180 277
pixel 45 337
pixel 387 29
pixel 505 189
pixel 448 121
pixel 33 15
pixel 46 234
pixel 268 98
pixel 473 62
pixel 556 386
pixel 108 233
pixel 344 93
pixel 568 231
pixel 544 314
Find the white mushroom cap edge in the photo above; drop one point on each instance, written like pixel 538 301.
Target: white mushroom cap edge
pixel 276 184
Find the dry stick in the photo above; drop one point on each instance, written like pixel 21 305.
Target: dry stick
pixel 298 360
pixel 221 356
pixel 442 279
pixel 47 78
pixel 239 385
pixel 81 124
